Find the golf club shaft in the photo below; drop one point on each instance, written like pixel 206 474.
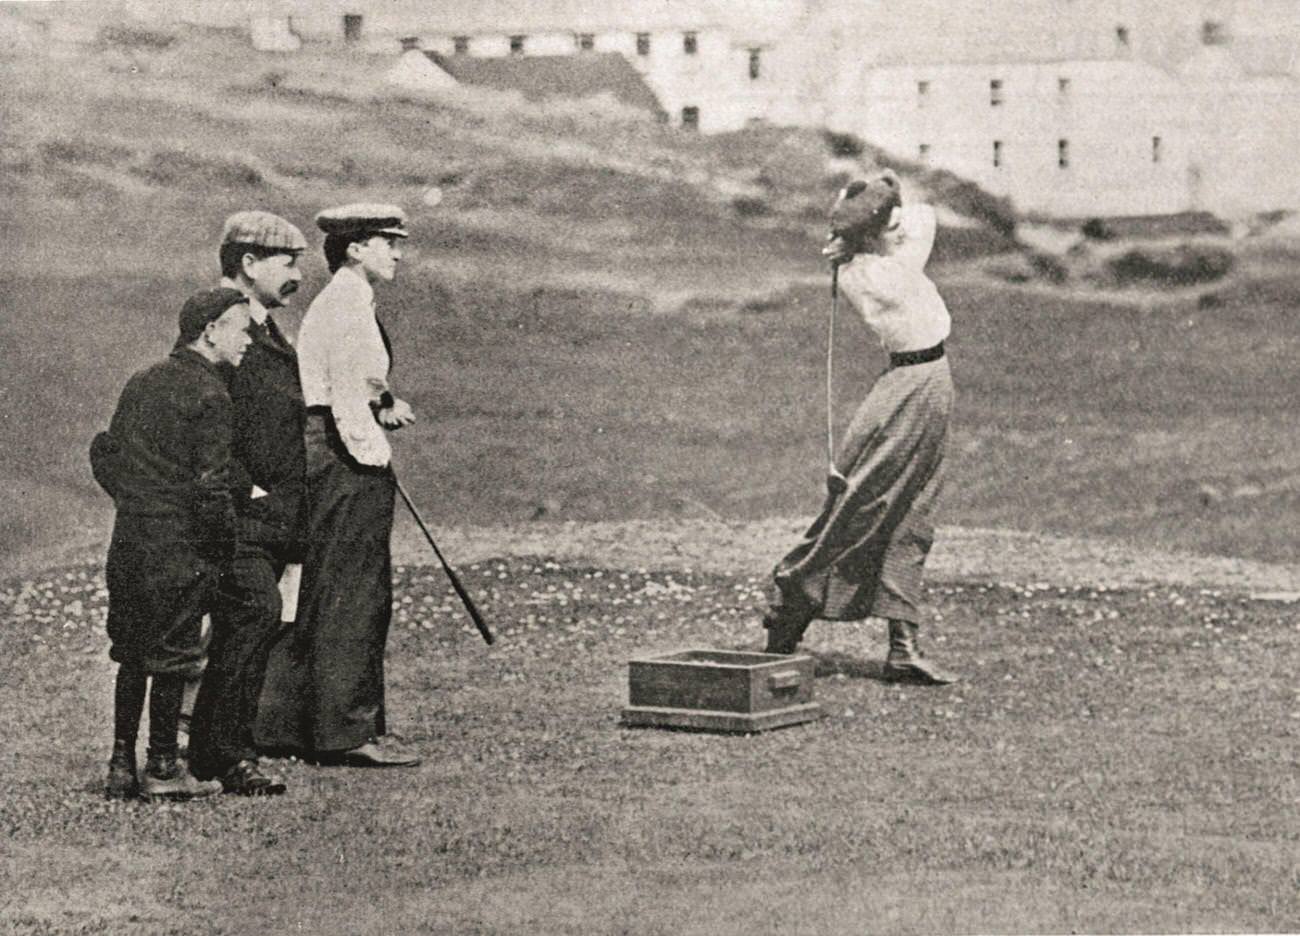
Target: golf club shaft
pixel 451 573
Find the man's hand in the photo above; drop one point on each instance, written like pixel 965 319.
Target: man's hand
pixel 396 416
pixel 837 250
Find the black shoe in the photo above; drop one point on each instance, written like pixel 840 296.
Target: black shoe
pixel 122 783
pixel 246 779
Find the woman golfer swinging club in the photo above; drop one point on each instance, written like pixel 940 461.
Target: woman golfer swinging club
pixel 863 556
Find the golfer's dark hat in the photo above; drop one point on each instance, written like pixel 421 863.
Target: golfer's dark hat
pixel 203 308
pixel 363 219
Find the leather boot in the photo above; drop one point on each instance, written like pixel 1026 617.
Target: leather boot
pixel 167 777
pixel 906 663
pixel 122 780
pixel 783 634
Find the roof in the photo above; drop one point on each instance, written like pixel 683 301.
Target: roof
pixel 543 76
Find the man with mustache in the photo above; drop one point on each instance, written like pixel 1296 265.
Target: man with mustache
pixel 259 257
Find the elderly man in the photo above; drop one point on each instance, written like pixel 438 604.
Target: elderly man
pixel 259 254
pixel 863 556
pixel 166 462
pixel 324 693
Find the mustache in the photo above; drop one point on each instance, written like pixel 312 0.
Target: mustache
pixel 289 288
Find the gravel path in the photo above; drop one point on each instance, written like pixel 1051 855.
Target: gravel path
pixel 960 553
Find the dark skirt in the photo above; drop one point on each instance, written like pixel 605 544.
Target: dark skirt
pixel 864 554
pixel 159 587
pixel 324 685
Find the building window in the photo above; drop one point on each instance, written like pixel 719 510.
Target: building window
pixel 923 152
pixel 517 45
pixel 586 42
pixel 1121 36
pixel 460 45
pixel 995 92
pixel 690 43
pixel 351 27
pixel 1156 146
pixel 997 154
pixel 690 118
pixel 755 66
pixel 1063 153
pixel 1213 33
pixel 409 43
pixel 922 93
pixel 1063 86
pixel 642 43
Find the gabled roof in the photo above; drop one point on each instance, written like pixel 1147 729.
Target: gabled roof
pixel 580 75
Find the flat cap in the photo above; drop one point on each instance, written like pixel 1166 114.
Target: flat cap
pixel 202 308
pixel 356 219
pixel 262 229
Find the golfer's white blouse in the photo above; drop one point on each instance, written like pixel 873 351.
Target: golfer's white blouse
pixel 342 363
pixel 891 291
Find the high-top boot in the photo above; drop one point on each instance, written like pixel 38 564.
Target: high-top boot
pixel 122 780
pixel 783 633
pixel 906 663
pixel 166 777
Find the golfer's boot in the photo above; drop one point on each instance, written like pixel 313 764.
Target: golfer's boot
pixel 906 663
pixel 167 777
pixel 122 780
pixel 783 632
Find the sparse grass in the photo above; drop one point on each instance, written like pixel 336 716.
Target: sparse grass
pixel 1114 762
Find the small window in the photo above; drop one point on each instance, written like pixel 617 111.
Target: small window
pixel 1063 153
pixel 1121 36
pixel 923 152
pixel 997 154
pixel 409 43
pixel 1213 33
pixel 460 45
pixel 586 42
pixel 755 64
pixel 1156 147
pixel 922 92
pixel 1063 86
pixel 690 118
pixel 995 92
pixel 690 43
pixel 642 43
pixel 351 27
pixel 517 45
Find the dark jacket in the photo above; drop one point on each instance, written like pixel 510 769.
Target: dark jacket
pixel 268 441
pixel 166 461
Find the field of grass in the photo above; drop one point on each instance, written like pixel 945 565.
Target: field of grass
pixel 1116 761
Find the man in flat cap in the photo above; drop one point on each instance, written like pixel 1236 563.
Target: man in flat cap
pixel 324 692
pixel 166 462
pixel 259 254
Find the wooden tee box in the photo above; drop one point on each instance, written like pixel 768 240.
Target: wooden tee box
pixel 720 690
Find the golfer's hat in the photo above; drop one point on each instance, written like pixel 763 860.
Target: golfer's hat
pixel 360 220
pixel 262 229
pixel 201 309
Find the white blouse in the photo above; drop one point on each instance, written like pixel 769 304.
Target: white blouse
pixel 891 291
pixel 342 363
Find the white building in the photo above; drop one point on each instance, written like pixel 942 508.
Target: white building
pixel 1070 107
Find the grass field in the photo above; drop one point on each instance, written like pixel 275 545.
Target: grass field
pixel 1115 762
pixel 591 330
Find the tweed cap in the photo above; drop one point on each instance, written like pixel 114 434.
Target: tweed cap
pixel 262 229
pixel 357 219
pixel 202 308
pixel 863 207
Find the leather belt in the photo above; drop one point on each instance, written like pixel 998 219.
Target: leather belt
pixel 908 358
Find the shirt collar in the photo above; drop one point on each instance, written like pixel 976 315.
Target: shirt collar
pixel 256 310
pixel 355 283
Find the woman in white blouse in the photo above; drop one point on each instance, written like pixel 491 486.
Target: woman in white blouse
pixel 864 555
pixel 324 691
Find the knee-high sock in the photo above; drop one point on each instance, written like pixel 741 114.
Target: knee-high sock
pixel 164 714
pixel 128 704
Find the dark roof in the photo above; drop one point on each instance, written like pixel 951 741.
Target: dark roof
pixel 581 75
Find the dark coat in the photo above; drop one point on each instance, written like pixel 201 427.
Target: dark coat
pixel 268 441
pixel 166 462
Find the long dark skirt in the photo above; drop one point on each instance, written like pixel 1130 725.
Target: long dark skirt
pixel 324 685
pixel 864 554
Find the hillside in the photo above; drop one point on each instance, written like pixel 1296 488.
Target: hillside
pixel 602 319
